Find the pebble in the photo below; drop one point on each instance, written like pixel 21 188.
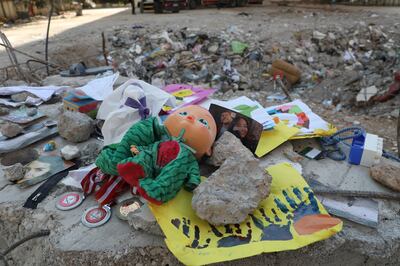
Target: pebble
pixel 70 152
pixel 11 130
pixel 31 112
pixel 14 172
pixel 4 111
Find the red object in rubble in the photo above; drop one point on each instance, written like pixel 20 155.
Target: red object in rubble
pixel 394 89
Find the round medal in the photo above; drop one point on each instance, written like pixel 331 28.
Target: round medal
pixel 96 216
pixel 69 201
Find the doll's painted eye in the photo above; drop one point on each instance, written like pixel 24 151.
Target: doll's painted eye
pixel 204 122
pixel 183 113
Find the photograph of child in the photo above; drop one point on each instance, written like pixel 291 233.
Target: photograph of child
pixel 243 127
pixel 226 119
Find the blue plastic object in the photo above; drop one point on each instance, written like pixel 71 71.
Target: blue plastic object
pixel 357 148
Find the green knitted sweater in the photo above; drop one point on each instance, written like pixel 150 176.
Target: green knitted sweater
pixel 167 163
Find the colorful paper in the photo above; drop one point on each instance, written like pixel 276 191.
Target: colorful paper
pixel 186 95
pixel 290 218
pixel 297 114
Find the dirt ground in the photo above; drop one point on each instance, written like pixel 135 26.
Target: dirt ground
pixel 79 38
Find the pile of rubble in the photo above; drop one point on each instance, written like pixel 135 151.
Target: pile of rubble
pixel 336 63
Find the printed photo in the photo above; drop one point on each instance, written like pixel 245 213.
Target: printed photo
pixel 246 129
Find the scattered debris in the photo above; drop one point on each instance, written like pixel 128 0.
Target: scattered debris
pixel 289 71
pixel 366 94
pixel 394 89
pixel 75 126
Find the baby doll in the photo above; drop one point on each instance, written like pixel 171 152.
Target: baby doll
pixel 157 160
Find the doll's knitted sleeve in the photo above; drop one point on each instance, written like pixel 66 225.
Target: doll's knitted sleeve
pixel 182 171
pixel 143 133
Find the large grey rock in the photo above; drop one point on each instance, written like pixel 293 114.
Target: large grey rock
pixel 227 146
pixel 386 174
pixel 143 219
pixel 11 130
pixel 75 126
pixel 14 172
pixel 232 192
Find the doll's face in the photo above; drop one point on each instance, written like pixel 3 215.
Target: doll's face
pixel 199 125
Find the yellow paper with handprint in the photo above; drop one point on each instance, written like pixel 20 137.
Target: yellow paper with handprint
pixel 290 218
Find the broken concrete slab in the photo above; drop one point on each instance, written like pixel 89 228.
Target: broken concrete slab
pixel 232 192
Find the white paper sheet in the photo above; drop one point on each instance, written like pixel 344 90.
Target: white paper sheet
pixel 315 121
pixel 43 93
pixel 100 88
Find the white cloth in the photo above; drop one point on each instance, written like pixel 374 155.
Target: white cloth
pixel 119 117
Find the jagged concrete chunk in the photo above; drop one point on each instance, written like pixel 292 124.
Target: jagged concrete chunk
pixel 227 146
pixel 75 126
pixel 11 130
pixel 70 152
pixel 14 172
pixel 143 219
pixel 386 174
pixel 232 192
